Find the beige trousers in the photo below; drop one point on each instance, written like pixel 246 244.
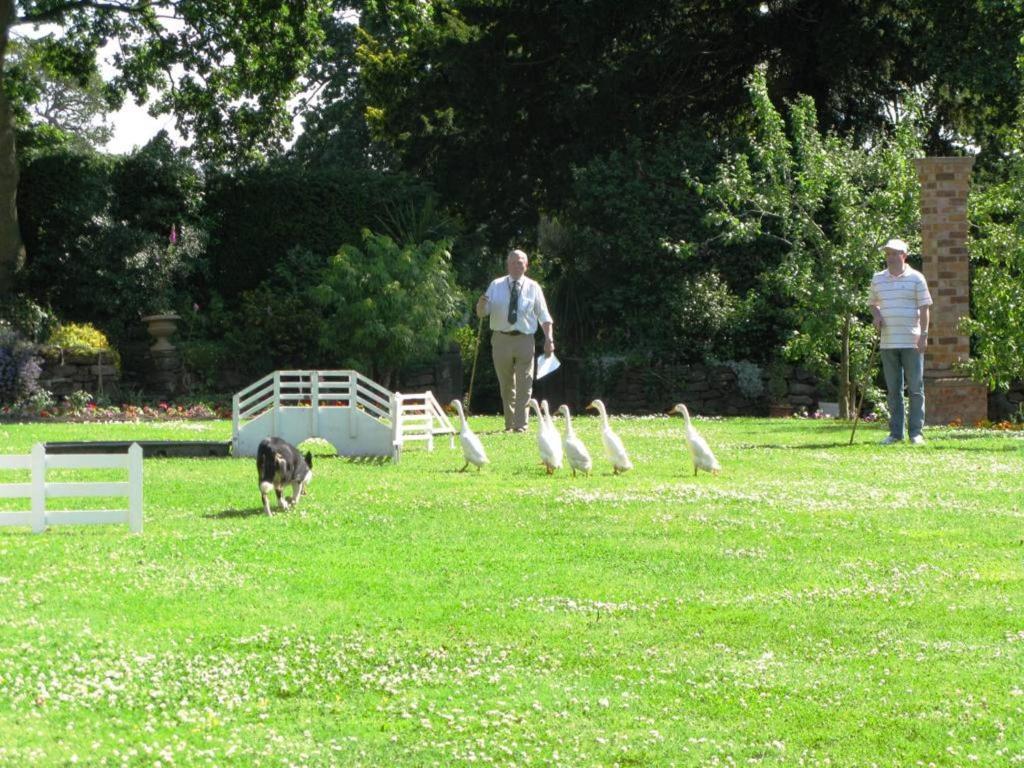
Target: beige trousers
pixel 513 362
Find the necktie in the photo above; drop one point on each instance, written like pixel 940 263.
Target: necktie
pixel 513 302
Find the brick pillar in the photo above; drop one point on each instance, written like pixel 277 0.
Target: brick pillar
pixel 950 395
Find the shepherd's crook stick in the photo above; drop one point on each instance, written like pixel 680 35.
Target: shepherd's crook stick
pixel 476 354
pixel 864 386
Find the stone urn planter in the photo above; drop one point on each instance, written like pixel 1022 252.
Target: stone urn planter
pixel 161 327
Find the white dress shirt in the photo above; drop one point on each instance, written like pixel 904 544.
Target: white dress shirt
pixel 532 308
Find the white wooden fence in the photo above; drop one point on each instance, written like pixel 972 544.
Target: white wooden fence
pixel 39 490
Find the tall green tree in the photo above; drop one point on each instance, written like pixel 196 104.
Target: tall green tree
pixel 996 322
pixel 830 204
pixel 226 68
pixel 496 103
pixel 859 60
pixel 52 107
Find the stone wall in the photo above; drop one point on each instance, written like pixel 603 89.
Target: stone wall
pixel 66 371
pixel 443 377
pixel 705 389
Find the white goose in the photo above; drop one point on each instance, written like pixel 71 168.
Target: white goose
pixel 613 447
pixel 472 448
pixel 700 451
pixel 547 440
pixel 575 451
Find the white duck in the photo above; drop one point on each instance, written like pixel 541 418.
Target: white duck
pixel 548 423
pixel 472 448
pixel 700 451
pixel 575 451
pixel 547 440
pixel 613 447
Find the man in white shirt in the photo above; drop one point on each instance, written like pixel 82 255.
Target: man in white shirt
pixel 516 307
pixel 899 302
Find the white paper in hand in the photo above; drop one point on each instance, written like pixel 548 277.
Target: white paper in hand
pixel 545 365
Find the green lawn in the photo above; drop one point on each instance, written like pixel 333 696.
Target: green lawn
pixel 815 604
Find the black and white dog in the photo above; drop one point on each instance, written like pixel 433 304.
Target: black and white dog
pixel 279 463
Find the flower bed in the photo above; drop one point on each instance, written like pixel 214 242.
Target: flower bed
pixel 76 409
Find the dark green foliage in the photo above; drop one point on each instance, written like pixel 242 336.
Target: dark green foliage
pixel 27 318
pixel 997 290
pixel 97 234
pixel 632 265
pixel 227 69
pixel 386 304
pixel 261 215
pixel 155 187
pixel 64 203
pixel 496 102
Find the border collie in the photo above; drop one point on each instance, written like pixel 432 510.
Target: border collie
pixel 279 463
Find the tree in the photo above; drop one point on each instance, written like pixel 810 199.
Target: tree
pixel 860 60
pixel 386 304
pixel 240 62
pixel 99 226
pixel 830 204
pixel 997 280
pixel 53 107
pixel 497 103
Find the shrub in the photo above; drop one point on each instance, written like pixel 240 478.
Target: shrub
pixel 19 367
pixel 83 337
pixel 27 318
pixel 466 338
pixel 78 401
pixel 261 214
pixel 387 304
pixel 748 377
pixel 204 361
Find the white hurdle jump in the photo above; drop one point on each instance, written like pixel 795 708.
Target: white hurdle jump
pixel 418 417
pixel 39 490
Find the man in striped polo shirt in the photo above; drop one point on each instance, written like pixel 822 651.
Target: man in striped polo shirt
pixel 899 302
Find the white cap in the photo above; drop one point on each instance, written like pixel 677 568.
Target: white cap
pixel 895 244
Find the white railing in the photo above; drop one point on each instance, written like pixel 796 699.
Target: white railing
pixel 39 490
pixel 418 417
pixel 313 388
pixel 407 417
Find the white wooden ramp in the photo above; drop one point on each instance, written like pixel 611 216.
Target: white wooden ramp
pixel 359 417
